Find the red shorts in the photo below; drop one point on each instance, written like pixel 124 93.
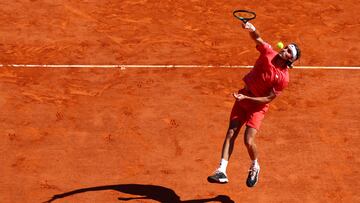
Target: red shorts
pixel 248 112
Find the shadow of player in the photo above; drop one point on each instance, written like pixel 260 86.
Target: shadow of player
pixel 153 192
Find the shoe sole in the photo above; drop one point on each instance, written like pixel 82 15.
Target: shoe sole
pixel 219 181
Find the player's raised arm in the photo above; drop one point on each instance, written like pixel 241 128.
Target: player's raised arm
pixel 254 34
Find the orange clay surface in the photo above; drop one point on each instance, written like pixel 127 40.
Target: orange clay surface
pixel 154 135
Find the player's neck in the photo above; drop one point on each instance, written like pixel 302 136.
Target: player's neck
pixel 279 62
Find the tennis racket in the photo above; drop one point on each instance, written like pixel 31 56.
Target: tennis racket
pixel 244 15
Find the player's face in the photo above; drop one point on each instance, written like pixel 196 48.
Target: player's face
pixel 285 53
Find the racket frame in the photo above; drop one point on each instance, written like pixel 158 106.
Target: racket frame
pixel 244 19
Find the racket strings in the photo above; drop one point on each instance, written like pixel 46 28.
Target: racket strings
pixel 244 15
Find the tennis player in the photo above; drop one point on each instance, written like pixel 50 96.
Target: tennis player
pixel 263 84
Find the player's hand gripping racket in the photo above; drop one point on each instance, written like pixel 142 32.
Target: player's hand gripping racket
pixel 244 15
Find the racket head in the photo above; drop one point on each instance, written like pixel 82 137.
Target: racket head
pixel 244 15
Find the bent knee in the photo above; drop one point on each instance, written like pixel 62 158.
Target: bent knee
pixel 249 142
pixel 231 133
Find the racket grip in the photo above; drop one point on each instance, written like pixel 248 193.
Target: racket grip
pixel 250 27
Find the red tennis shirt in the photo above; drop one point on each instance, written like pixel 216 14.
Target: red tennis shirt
pixel 265 77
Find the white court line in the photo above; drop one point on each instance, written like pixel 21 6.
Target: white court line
pixel 124 66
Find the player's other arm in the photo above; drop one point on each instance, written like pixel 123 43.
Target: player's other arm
pixel 264 100
pixel 254 34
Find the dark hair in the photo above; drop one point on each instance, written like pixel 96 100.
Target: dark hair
pixel 298 55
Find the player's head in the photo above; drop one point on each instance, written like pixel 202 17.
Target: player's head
pixel 290 53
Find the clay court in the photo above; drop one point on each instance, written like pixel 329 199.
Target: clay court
pixel 154 134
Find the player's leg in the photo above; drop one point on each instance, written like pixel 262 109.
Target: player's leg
pixel 249 141
pixel 219 175
pixel 237 119
pixel 231 135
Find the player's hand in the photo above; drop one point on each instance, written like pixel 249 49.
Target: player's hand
pixel 249 26
pixel 239 97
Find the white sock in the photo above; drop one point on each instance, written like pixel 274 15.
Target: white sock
pixel 255 163
pixel 223 165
